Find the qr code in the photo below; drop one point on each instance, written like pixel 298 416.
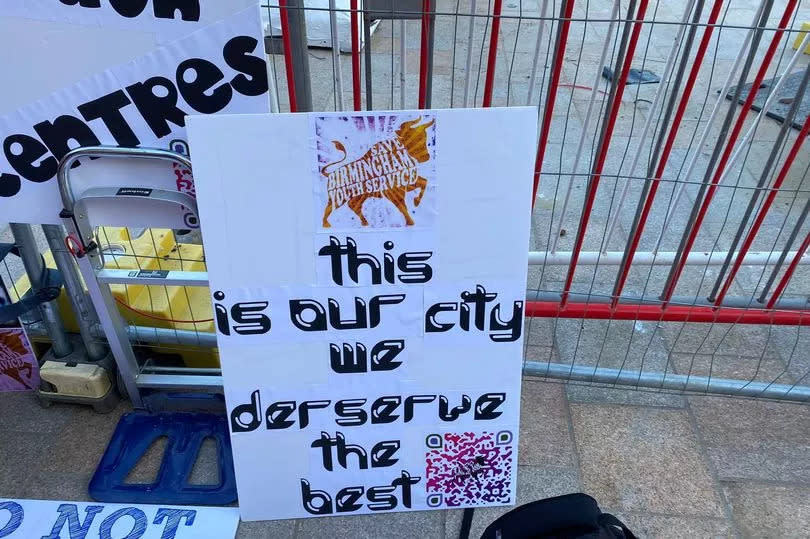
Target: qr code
pixel 469 468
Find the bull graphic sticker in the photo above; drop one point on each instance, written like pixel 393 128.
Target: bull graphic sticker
pixel 375 171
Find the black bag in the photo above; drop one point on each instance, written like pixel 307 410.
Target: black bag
pixel 564 517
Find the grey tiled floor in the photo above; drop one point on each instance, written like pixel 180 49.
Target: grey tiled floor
pixel 670 466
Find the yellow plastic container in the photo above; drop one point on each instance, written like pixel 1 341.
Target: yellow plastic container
pixel 168 307
pixel 799 38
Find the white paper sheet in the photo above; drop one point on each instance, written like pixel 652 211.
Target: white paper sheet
pixel 24 519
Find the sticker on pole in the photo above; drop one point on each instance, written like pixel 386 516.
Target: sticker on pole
pixel 374 347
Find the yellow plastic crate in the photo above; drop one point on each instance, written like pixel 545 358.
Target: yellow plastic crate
pixel 168 307
pixel 800 37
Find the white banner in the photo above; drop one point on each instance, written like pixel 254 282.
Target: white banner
pixel 57 43
pixel 168 19
pixel 220 68
pixel 24 519
pixel 371 342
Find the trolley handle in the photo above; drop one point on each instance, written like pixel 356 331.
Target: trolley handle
pixel 63 172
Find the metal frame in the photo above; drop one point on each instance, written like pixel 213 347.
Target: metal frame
pixel 90 263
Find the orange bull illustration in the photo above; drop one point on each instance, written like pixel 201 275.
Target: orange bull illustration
pixel 387 170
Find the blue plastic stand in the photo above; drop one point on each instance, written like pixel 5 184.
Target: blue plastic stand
pixel 185 433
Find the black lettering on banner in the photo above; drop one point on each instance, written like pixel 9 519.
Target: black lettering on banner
pixel 58 134
pixel 129 8
pixel 297 309
pixel 305 407
pixel 163 9
pixel 157 110
pixel 344 450
pixel 413 266
pixel 252 80
pixel 451 414
pixel 359 321
pixel 383 452
pixel 250 318
pixel 382 409
pixel 354 359
pixel 156 100
pixel 248 315
pixel 279 415
pixel 10 185
pixel 247 417
pixel 377 302
pixel 380 498
pixel 197 91
pixel 351 412
pixel 384 354
pixel 108 109
pixel 506 331
pixel 23 151
pixel 364 317
pixel 82 3
pixel 189 9
pixel 413 400
pixel 434 326
pixel 475 304
pixel 486 407
pixel 346 499
pixel 308 496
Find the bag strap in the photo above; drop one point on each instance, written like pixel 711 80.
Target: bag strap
pixel 466 523
pixel 52 287
pixel 607 519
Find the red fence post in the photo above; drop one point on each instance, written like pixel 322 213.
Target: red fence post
pixel 288 63
pixel 492 59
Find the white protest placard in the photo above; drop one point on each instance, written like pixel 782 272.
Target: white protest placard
pixel 24 519
pixel 371 333
pixel 218 69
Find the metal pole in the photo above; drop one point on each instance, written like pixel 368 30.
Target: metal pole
pixel 403 65
pixel 587 122
pixel 35 268
pixel 788 244
pixel 800 305
pixel 721 98
pixel 661 149
pixel 535 61
pixel 624 59
pixel 337 71
pixel 86 315
pixel 668 381
pixel 774 93
pixel 647 258
pixel 468 63
pixel 774 154
pixel 431 45
pixel 300 54
pixel 659 94
pixel 367 58
pixel 717 163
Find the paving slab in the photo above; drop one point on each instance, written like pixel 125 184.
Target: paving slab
pixel 763 510
pixel 643 459
pixel 544 432
pixel 749 439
